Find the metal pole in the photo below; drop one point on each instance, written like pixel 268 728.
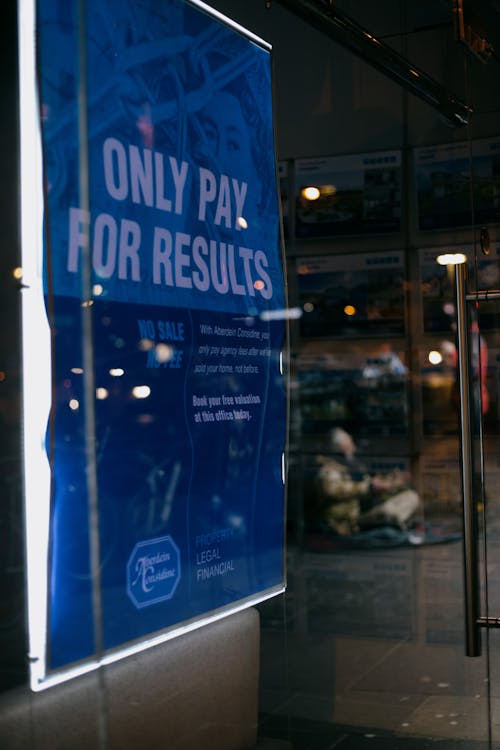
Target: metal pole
pixel 326 18
pixel 470 552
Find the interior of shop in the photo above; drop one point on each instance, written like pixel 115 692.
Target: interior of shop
pixel 387 126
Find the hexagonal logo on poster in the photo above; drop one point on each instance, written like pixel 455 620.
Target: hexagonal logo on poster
pixel 153 571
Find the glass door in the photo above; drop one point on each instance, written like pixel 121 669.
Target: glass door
pixel 375 617
pixel 489 325
pixel 367 646
pixel 376 627
pixel 478 303
pixel 477 287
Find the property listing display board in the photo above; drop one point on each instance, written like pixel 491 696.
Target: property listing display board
pixel 438 295
pixel 438 289
pixel 356 194
pixel 352 295
pixel 162 223
pixel 365 392
pixel 450 176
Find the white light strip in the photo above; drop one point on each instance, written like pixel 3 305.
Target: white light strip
pixel 231 23
pixel 35 347
pixel 68 674
pixel 290 313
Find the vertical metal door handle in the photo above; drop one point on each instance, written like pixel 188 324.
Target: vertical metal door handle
pixel 470 550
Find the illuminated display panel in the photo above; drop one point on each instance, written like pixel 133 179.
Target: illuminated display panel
pixel 153 327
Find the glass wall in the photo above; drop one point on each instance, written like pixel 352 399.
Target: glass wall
pixel 366 646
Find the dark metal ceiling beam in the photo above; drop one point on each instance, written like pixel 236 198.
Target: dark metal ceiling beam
pixel 324 17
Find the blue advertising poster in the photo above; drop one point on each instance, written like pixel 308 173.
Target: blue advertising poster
pixel 175 216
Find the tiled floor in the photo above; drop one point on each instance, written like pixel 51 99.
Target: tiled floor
pixel 310 735
pixel 365 650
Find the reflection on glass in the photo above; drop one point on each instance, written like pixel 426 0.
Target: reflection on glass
pixel 435 357
pixel 347 498
pixel 163 352
pixel 310 193
pixel 141 391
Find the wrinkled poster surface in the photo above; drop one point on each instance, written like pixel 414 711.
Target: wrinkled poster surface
pixel 177 204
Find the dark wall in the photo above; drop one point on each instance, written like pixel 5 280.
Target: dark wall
pixel 329 101
pixel 12 621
